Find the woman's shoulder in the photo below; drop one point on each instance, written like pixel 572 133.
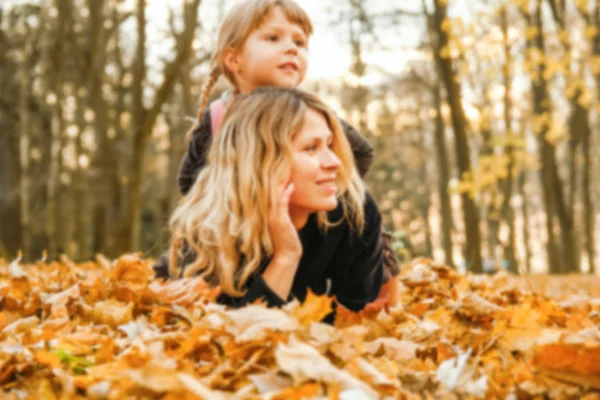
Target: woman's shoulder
pixel 371 209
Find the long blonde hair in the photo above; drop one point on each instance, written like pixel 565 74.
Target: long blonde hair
pixel 243 19
pixel 223 219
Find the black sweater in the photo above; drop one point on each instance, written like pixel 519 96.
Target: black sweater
pixel 195 158
pixel 337 262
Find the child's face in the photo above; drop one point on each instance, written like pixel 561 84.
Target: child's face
pixel 275 54
pixel 314 166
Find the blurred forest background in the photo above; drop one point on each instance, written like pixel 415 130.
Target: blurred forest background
pixel 483 115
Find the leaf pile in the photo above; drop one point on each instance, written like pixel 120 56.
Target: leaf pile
pixel 107 330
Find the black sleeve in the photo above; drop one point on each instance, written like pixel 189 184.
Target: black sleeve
pixel 161 268
pixel 360 282
pixel 256 289
pixel 361 148
pixel 195 158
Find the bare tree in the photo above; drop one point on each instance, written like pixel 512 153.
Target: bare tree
pixel 459 126
pixel 144 118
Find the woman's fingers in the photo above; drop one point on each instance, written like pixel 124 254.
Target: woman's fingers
pixel 287 193
pixel 283 194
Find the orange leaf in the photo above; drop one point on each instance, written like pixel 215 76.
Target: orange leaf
pixel 48 359
pixel 345 317
pixel 444 353
pixel 314 308
pixel 307 390
pixel 131 269
pixel 418 309
pixel 575 358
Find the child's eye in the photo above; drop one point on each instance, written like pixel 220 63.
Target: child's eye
pixel 300 43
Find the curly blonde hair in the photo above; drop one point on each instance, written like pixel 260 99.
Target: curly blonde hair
pixel 223 219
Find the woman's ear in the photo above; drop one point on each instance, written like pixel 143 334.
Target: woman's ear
pixel 231 58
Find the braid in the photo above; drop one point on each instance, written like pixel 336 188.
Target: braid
pixel 214 75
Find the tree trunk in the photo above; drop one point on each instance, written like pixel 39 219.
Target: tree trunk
pixel 80 232
pixel 57 138
pixel 144 118
pixel 100 228
pixel 507 183
pixel 106 160
pixel 577 123
pixel 459 125
pixel 525 215
pixel 423 190
pixel 443 168
pixel 24 152
pixel 589 214
pixel 10 166
pixel 139 143
pixel 589 217
pixel 541 107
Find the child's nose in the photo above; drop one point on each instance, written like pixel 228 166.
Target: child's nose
pixel 291 47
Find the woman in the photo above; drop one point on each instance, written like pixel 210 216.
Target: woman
pixel 280 208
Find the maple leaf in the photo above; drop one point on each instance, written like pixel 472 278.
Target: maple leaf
pixel 314 308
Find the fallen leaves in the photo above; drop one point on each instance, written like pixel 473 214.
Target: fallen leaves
pixel 108 330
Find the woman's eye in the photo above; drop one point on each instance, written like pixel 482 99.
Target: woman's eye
pixel 272 38
pixel 312 147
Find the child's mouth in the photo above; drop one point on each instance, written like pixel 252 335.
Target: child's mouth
pixel 289 67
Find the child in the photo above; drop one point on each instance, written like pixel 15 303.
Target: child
pixel 265 43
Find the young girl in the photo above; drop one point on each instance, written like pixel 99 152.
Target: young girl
pixel 279 208
pixel 264 43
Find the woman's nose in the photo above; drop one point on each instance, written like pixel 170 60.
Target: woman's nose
pixel 330 160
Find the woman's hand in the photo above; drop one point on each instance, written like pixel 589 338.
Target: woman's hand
pixel 286 242
pixel 287 248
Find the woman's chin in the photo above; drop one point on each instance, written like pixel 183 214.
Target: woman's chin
pixel 330 204
pixel 322 204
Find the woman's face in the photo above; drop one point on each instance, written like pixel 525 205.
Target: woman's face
pixel 314 166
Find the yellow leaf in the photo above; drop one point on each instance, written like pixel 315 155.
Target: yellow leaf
pixel 113 312
pixel 48 359
pixel 314 308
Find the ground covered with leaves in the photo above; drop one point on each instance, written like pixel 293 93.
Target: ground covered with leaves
pixel 107 330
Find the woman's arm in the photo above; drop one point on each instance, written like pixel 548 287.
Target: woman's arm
pixel 359 281
pixel 273 286
pixel 361 148
pixel 275 283
pixel 195 158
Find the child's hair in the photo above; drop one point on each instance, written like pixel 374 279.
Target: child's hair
pixel 223 219
pixel 245 17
